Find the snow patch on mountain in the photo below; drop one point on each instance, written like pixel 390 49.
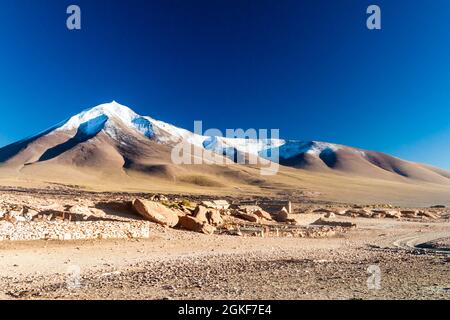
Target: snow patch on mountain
pixel 290 149
pixel 230 146
pixel 144 126
pixel 167 133
pixel 319 147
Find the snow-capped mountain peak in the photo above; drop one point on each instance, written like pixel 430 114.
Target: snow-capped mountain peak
pixel 113 112
pixel 112 109
pixel 119 121
pixel 106 116
pixel 139 140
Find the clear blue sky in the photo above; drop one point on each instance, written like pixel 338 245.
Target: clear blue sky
pixel 310 68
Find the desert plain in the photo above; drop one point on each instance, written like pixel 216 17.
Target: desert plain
pixel 320 250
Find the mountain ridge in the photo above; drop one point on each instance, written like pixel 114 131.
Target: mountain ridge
pixel 112 142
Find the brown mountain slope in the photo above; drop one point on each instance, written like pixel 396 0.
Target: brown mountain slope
pixel 111 148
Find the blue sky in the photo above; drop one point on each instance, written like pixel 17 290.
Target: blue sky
pixel 310 68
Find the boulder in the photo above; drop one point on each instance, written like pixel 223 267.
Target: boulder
pixel 263 214
pixel 256 210
pixel 30 214
pixel 359 213
pixel 247 216
pixel 283 215
pixel 82 211
pixel 194 224
pixel 378 215
pixel 352 213
pixel 214 217
pixel 216 204
pixel 156 212
pixel 98 213
pixel 428 214
pixel 409 213
pixel 201 213
pixel 392 214
pixel 181 213
pixel 330 215
pixel 365 213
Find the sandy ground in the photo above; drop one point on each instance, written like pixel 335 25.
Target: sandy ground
pixel 175 264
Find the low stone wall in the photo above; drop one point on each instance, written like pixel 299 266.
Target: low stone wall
pixel 63 230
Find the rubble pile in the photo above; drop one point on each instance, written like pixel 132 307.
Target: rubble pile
pixel 284 230
pixel 70 222
pixel 381 213
pixel 59 230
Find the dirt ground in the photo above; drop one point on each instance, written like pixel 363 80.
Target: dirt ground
pixel 377 260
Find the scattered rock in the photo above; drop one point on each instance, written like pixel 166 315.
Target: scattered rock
pixel 322 222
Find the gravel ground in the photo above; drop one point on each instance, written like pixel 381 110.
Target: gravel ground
pixel 278 275
pixel 224 267
pixel 176 264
